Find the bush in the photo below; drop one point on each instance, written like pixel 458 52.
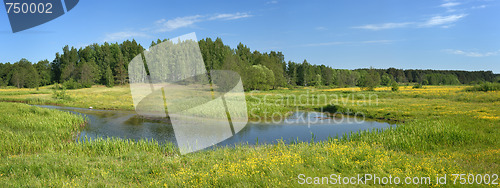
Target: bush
pixel 416 86
pixel 486 86
pixel 61 94
pixel 395 86
pixel 333 109
pixel 86 84
pixel 71 84
pixel 259 77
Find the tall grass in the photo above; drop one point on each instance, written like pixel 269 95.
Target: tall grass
pixel 424 136
pixel 28 129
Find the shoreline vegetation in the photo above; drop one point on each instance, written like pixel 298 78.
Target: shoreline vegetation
pixel 442 130
pixel 262 104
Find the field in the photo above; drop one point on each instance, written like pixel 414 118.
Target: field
pixel 441 130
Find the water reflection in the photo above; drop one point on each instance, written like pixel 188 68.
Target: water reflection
pixel 299 126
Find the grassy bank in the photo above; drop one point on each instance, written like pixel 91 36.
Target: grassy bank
pixel 446 130
pixel 99 97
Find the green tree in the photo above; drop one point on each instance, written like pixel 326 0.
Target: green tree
pixel 68 72
pixel 340 78
pixel 326 75
pixel 120 72
pixel 305 74
pixel 395 86
pixel 76 64
pixel 292 74
pixel 87 73
pixel 276 63
pixel 386 79
pixel 109 81
pixel 317 80
pixel 442 79
pixel 353 77
pixel 23 74
pixel 5 70
pixel 371 80
pixel 259 78
pixel 43 68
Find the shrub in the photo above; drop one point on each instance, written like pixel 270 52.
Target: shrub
pixel 72 84
pixel 416 86
pixel 331 108
pixel 486 86
pixel 395 86
pixel 61 94
pixel 259 77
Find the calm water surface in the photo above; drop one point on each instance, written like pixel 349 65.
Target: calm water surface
pixel 300 126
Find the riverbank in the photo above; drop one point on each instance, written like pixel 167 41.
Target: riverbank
pixel 446 131
pixel 406 104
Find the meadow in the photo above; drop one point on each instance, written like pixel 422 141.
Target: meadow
pixel 440 130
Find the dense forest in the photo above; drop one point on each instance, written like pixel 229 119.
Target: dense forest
pixel 107 64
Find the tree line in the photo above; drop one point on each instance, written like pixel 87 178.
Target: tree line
pixel 107 64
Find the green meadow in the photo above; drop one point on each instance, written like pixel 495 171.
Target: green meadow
pixel 440 130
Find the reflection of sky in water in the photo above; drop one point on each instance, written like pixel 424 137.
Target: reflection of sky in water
pixel 299 126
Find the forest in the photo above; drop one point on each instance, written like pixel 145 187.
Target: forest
pixel 107 64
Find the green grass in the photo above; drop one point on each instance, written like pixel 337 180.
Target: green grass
pixel 487 86
pixel 25 129
pixel 99 97
pixel 445 130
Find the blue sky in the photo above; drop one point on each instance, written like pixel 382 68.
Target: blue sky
pixel 446 34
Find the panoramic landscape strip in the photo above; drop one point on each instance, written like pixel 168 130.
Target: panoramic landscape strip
pixel 440 129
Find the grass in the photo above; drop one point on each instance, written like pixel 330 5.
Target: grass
pixel 21 134
pixel 99 97
pixel 486 86
pixel 441 130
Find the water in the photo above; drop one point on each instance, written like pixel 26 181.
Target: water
pixel 301 126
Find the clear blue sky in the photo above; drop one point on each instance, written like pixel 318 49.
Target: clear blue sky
pixel 450 34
